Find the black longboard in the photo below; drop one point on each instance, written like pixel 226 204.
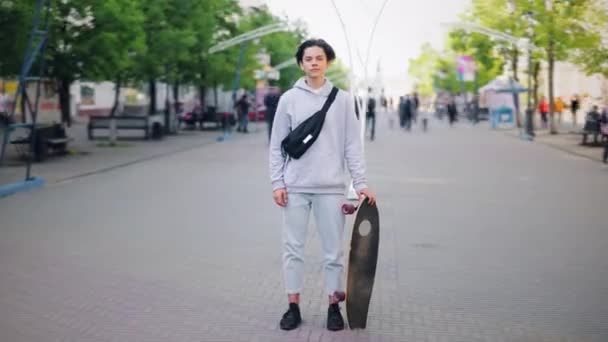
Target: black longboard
pixel 362 264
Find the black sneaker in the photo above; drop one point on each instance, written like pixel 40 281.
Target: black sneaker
pixel 291 319
pixel 335 321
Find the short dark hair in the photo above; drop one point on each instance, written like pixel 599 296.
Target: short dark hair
pixel 329 51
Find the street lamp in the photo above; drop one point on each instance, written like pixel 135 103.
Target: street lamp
pixel 529 110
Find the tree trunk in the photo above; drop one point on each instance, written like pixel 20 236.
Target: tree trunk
pixel 167 107
pixel 514 59
pixel 202 90
pixel 113 111
pixel 551 58
pixel 116 96
pixel 215 93
pixel 535 82
pixel 64 100
pixel 176 96
pixel 152 88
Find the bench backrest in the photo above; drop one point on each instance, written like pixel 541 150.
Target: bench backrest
pixel 121 121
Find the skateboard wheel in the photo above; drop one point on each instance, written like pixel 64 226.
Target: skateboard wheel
pixel 348 209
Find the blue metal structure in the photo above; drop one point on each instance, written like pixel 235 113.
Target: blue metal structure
pixel 35 48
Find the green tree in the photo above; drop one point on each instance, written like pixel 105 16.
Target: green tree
pixel 424 68
pixel 483 50
pixel 506 16
pixel 86 38
pixel 560 27
pixel 560 32
pixel 213 22
pixel 15 25
pixel 593 57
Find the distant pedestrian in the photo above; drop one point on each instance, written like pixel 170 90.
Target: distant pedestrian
pixel 543 108
pixel 604 132
pixel 559 109
pixel 242 108
pixel 271 101
pixel 415 106
pixel 383 102
pixel 424 117
pixel 407 113
pixel 371 114
pixel 452 111
pixel 575 105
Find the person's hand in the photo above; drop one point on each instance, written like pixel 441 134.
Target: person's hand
pixel 280 197
pixel 369 194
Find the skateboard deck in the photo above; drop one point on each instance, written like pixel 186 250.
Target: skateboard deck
pixel 362 264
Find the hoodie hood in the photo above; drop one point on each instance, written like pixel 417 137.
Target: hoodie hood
pixel 325 89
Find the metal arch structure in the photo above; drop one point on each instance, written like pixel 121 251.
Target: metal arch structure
pixel 242 40
pixel 285 64
pixel 35 49
pixel 523 43
pixel 352 195
pixel 245 37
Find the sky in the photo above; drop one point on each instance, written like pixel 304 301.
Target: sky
pixel 402 29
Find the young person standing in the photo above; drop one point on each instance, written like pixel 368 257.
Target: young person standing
pixel 315 181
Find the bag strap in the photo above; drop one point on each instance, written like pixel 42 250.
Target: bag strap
pixel 330 100
pixel 323 112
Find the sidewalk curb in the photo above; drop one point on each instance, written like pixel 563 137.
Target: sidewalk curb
pixel 557 147
pixel 132 162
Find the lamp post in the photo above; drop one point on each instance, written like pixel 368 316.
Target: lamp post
pixel 551 62
pixel 529 123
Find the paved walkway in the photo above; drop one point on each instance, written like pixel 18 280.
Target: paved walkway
pixel 568 140
pixel 484 238
pixel 89 157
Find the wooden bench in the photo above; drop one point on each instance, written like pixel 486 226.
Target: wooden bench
pixel 48 138
pixel 592 127
pixel 148 124
pixel 210 115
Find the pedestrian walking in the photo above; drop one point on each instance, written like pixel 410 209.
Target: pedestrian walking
pixel 271 101
pixel 315 181
pixel 371 114
pixel 242 107
pixel 559 109
pixel 407 113
pixel 401 111
pixel 452 111
pixel 415 105
pixel 604 132
pixel 543 108
pixel 383 102
pixel 424 117
pixel 575 105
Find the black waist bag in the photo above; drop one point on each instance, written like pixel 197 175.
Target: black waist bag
pixel 297 142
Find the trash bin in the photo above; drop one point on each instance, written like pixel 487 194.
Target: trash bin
pixel 502 118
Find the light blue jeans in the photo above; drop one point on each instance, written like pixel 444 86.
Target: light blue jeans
pixel 329 221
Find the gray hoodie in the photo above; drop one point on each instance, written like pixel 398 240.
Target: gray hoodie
pixel 322 168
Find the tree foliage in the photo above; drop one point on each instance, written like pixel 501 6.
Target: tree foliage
pixel 147 41
pixel 569 30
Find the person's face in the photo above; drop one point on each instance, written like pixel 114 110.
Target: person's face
pixel 314 62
